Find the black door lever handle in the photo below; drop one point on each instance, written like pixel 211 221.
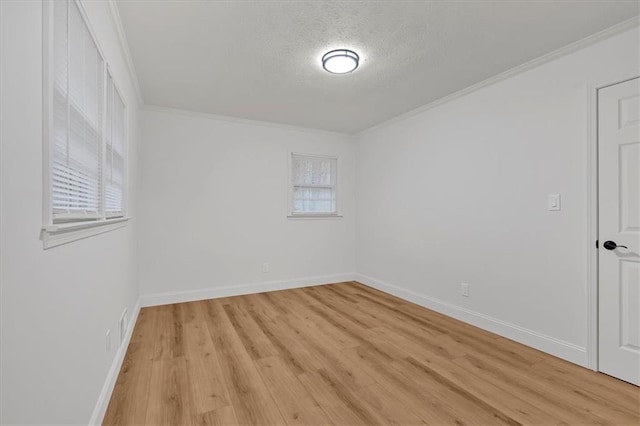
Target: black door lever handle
pixel 611 245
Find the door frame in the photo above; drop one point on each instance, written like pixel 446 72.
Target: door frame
pixel 592 220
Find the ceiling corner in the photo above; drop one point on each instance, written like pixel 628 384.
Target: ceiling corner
pixel 124 46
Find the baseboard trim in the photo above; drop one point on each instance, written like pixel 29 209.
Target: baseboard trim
pixel 238 290
pixel 551 345
pixel 107 389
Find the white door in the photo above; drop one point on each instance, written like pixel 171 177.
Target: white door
pixel 619 230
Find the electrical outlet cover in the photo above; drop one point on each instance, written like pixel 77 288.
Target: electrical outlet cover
pixel 464 289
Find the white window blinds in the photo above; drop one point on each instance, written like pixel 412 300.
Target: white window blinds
pixel 314 184
pixel 78 91
pixel 114 161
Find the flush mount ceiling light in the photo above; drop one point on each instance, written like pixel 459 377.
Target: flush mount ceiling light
pixel 340 61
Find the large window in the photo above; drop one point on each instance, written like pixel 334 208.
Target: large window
pixel 314 185
pixel 85 122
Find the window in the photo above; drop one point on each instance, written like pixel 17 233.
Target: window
pixel 76 138
pixel 314 185
pixel 85 119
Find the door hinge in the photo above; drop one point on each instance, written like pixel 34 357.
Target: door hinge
pixel 597 243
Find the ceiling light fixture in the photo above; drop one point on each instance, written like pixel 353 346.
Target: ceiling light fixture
pixel 340 61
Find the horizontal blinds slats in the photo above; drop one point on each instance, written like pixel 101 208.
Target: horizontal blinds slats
pixel 114 162
pixel 316 200
pixel 60 17
pixel 313 186
pixel 76 172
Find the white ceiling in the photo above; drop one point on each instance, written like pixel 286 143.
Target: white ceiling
pixel 261 59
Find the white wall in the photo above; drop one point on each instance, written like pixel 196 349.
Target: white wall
pixel 457 193
pixel 214 204
pixel 56 304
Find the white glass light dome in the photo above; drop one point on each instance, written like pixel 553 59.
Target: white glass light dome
pixel 340 61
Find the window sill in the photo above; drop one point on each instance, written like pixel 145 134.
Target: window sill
pixel 314 216
pixel 63 233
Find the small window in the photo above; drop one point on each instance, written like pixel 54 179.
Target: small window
pixel 314 185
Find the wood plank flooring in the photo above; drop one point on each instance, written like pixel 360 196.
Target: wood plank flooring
pixel 346 354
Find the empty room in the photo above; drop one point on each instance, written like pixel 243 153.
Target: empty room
pixel 314 212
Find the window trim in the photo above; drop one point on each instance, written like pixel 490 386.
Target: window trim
pixel 63 233
pixel 291 215
pixel 55 234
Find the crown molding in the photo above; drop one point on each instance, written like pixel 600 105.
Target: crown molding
pixel 558 53
pixel 238 120
pixel 124 45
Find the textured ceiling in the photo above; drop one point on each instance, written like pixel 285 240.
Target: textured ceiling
pixel 261 59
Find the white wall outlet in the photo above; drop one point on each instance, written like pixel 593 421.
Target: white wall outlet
pixel 107 343
pixel 464 289
pixel 122 324
pixel 553 202
pixel 265 267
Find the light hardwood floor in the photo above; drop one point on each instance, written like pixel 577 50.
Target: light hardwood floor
pixel 346 354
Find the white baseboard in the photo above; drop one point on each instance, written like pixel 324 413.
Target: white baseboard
pixel 238 290
pixel 551 345
pixel 107 389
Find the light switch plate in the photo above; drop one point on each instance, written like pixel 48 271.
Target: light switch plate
pixel 553 202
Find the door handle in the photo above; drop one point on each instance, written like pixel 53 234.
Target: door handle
pixel 611 245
